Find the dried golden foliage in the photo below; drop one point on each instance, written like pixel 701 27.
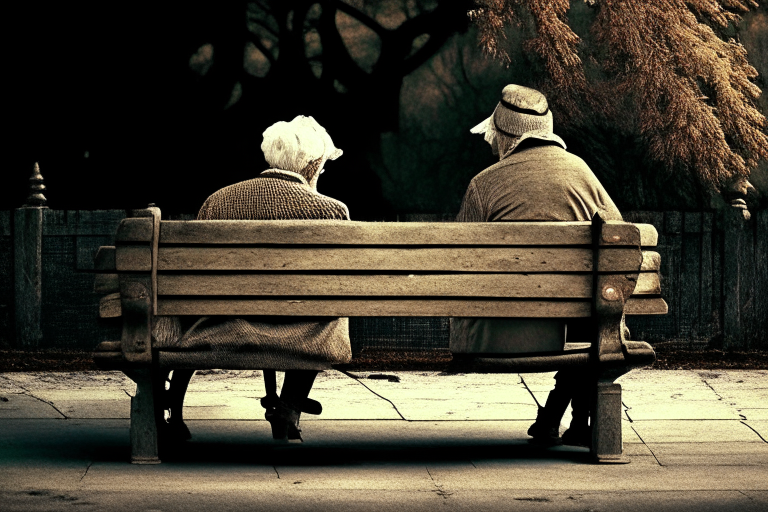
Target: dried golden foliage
pixel 557 45
pixel 691 87
pixel 491 17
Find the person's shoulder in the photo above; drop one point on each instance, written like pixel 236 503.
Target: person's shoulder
pixel 336 207
pixel 235 188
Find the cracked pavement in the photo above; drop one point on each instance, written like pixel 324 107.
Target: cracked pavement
pixel 415 440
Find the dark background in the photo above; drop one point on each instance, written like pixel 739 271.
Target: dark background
pixel 111 100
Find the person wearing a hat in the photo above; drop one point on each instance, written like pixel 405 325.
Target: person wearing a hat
pixel 296 152
pixel 536 179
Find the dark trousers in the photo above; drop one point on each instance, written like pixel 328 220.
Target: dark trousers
pixel 574 387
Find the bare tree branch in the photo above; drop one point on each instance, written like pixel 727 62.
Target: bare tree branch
pixel 359 16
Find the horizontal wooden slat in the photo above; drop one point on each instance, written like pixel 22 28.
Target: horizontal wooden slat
pixel 330 232
pixel 620 233
pixel 651 262
pixel 104 261
pixel 561 286
pixel 133 258
pixel 425 285
pixel 374 307
pixel 648 283
pixel 135 230
pixel 649 237
pixel 641 306
pixel 106 283
pixel 537 259
pixel 109 306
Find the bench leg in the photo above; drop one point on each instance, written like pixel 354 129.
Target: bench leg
pixel 607 445
pixel 144 446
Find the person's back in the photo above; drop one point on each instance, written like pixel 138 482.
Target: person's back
pixel 275 195
pixel 542 182
pixel 299 346
pixel 535 180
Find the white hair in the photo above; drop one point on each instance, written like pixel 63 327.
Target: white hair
pixel 291 146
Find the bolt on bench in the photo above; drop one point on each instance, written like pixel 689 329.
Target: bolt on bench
pixel 595 270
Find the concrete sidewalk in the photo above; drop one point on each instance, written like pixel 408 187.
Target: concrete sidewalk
pixel 696 440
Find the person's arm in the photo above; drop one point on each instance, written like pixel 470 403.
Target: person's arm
pixel 471 206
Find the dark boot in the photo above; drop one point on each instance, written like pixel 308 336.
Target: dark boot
pixel 284 420
pixel 283 413
pixel 579 433
pixel 173 427
pixel 546 430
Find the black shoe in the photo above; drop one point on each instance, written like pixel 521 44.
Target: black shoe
pixel 543 432
pixel 284 420
pixel 578 436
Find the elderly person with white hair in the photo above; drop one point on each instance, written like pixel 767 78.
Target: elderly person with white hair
pixel 296 152
pixel 536 179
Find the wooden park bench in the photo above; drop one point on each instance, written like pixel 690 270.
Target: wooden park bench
pixel 596 270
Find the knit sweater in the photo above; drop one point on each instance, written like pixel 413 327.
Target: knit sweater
pixel 283 343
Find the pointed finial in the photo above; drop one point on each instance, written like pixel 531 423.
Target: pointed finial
pixel 36 199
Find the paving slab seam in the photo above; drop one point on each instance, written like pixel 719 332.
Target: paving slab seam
pixel 86 470
pixel 357 379
pixel 704 380
pixel 646 445
pixel 29 394
pixel 755 431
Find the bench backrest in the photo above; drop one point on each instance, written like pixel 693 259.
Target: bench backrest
pixel 342 268
pixel 347 268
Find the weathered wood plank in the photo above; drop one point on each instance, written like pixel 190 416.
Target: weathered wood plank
pixel 649 237
pixel 690 276
pixel 619 233
pixel 374 307
pixel 651 262
pixel 27 247
pixel 328 232
pixel 424 285
pixel 106 283
pixel 133 258
pixel 109 306
pixel 489 259
pixel 708 312
pixel 642 306
pixel 137 229
pixel 761 278
pixel 104 261
pixel 573 286
pixel 672 261
pixel 733 246
pixel 136 307
pixel 648 283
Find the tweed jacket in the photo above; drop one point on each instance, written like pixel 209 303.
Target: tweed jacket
pixel 540 183
pixel 283 344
